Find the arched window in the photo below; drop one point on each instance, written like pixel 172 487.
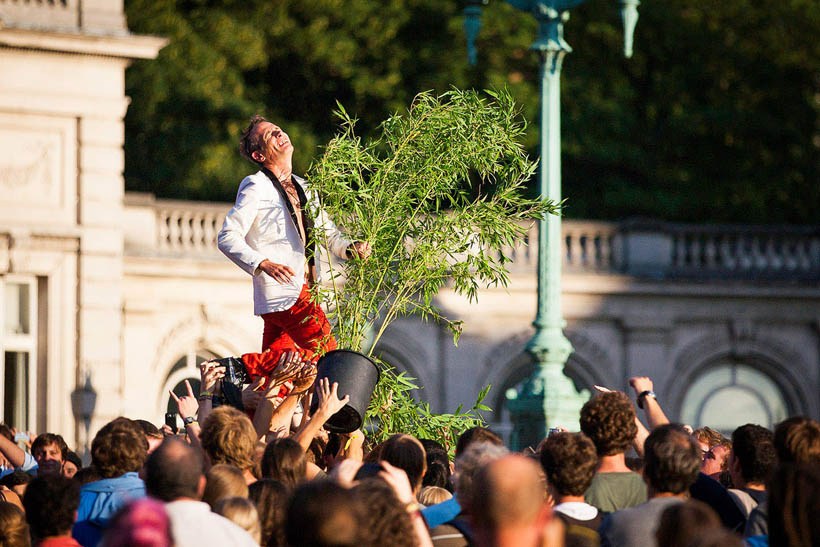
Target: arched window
pixel 732 394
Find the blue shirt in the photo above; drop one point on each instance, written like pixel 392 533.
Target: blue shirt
pixel 438 514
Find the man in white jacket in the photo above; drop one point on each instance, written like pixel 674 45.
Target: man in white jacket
pixel 267 233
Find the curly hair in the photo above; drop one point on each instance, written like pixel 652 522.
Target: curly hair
pixel 753 446
pixel 711 437
pixel 248 142
pixel 47 439
pixel 13 526
pixel 797 440
pixel 284 460
pixel 228 437
pixel 609 422
pixel 569 461
pixel 118 448
pixel 672 459
pixel 271 498
pixel 50 505
pixel 386 520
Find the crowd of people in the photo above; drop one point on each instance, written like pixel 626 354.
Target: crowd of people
pixel 272 475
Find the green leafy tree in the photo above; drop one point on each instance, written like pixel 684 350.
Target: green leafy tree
pixel 438 195
pixel 714 119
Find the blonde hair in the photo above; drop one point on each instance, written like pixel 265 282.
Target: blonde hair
pixel 224 481
pixel 228 437
pixel 242 512
pixel 13 526
pixel 431 495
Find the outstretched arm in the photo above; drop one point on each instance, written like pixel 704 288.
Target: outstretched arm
pixel 654 412
pixel 329 404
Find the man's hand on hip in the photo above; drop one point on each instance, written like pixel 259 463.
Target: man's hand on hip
pixel 280 272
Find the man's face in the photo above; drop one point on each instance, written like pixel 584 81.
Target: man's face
pixel 713 458
pixel 49 459
pixel 275 143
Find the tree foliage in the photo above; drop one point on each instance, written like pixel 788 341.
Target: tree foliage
pixel 716 117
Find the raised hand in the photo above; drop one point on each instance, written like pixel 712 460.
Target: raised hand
pixel 329 402
pixel 304 378
pixel 211 375
pixel 253 393
pixel 187 404
pixel 288 366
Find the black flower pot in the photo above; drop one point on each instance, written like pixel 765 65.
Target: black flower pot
pixel 357 376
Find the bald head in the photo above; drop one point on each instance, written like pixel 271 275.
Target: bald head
pixel 507 493
pixel 173 471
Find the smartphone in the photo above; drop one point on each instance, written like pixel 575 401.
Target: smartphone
pixel 171 421
pixel 21 436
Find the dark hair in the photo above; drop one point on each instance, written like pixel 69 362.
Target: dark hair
pixel 6 432
pixel 248 144
pixel 753 446
pixel 284 460
pixel 16 478
pixel 797 440
pixel 569 461
pixel 322 513
pixel 718 537
pixel 386 521
pixel 609 422
pixel 683 523
pixel 51 503
pixel 271 499
pixel 438 468
pixel 149 429
pixel 672 459
pixel 13 527
pixel 406 453
pixel 86 475
pixel 72 457
pixel 477 435
pixel 794 498
pixel 118 448
pixel 173 471
pixel 47 439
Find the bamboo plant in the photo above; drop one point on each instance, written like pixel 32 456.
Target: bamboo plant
pixel 438 194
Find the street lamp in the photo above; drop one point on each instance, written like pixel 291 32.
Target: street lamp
pixel 548 398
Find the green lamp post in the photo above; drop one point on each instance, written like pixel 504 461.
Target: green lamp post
pixel 548 398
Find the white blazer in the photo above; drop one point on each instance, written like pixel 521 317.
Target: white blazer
pixel 259 226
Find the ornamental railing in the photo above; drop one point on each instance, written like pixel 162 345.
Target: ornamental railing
pixel 634 248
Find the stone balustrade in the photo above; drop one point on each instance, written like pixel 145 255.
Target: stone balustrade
pixel 635 248
pixel 63 15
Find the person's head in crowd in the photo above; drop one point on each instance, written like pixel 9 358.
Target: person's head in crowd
pixel 715 449
pixel 174 471
pixel 753 456
pixel 71 465
pixel 468 463
pixel 672 460
pixel 118 448
pixel 51 506
pixel 477 435
pixel 432 495
pixel 50 451
pixel 242 512
pixel 508 505
pixel 270 498
pixel 609 422
pixel 86 475
pixel 794 505
pixel 717 537
pixel 228 437
pixel 438 465
pixel 284 460
pixel 323 514
pixel 683 523
pixel 797 440
pixel 14 530
pixel 386 520
pixel 17 481
pixel 141 523
pixel 569 461
pixel 373 454
pixel 152 434
pixel 223 481
pixel 406 453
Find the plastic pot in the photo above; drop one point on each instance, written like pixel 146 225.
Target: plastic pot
pixel 357 376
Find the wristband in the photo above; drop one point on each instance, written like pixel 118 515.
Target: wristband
pixel 205 395
pixel 643 395
pixel 189 420
pixel 412 507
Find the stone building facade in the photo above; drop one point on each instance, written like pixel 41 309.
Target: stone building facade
pixel 121 295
